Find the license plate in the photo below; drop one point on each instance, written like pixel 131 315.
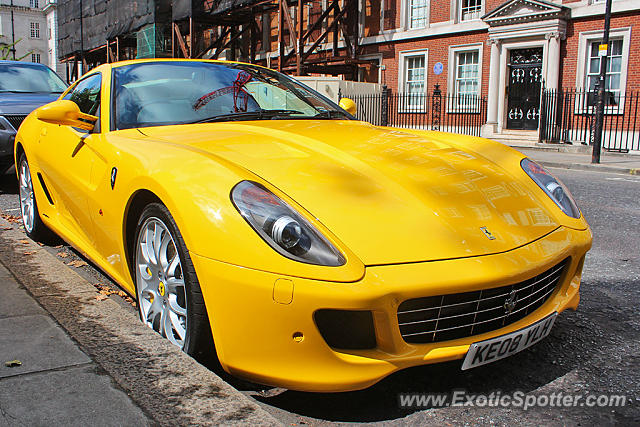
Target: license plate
pixel 483 352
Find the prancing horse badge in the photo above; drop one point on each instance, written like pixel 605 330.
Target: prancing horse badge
pixel 488 233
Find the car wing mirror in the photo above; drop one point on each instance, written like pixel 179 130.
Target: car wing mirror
pixel 65 112
pixel 348 105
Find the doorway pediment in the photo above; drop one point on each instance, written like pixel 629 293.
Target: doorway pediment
pixel 520 11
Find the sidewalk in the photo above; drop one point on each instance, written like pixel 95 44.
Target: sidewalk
pixel 628 164
pixel 56 383
pixel 88 360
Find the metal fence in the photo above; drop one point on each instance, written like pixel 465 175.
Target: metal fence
pixel 464 114
pixel 569 116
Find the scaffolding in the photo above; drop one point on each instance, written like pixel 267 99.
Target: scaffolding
pixel 298 37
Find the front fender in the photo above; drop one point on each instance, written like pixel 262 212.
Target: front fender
pixel 195 187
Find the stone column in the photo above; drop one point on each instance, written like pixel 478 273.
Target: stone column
pixel 553 58
pixel 493 95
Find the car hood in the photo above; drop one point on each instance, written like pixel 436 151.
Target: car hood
pixel 24 103
pixel 389 195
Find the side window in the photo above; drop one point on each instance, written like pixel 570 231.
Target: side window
pixel 87 94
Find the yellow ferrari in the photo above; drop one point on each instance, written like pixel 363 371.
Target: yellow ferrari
pixel 252 217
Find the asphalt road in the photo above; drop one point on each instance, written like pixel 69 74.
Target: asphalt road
pixel 592 351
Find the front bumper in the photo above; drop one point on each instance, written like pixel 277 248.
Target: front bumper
pixel 264 328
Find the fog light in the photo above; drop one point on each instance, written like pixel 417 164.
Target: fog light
pixel 346 329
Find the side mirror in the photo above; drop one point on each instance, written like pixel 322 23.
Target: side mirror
pixel 348 105
pixel 65 112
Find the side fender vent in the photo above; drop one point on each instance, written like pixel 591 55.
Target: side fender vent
pixel 45 189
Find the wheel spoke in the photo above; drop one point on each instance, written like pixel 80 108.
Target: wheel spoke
pixel 157 239
pixel 175 307
pixel 170 271
pixel 163 251
pixel 166 324
pixel 148 246
pixel 143 271
pixel 173 284
pixel 177 326
pixel 152 312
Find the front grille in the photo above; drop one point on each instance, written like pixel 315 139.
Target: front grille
pixel 448 317
pixel 15 119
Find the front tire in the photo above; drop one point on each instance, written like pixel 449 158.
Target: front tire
pixel 33 225
pixel 169 296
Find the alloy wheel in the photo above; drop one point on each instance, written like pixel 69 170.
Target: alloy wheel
pixel 27 201
pixel 160 282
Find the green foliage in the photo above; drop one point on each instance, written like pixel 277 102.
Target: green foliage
pixel 5 51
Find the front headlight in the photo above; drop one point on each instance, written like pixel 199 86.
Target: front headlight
pixel 282 227
pixel 552 186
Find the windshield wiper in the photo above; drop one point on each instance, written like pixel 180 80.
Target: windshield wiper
pixel 328 114
pixel 249 115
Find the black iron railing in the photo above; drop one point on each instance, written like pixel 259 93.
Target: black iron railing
pixel 464 114
pixel 569 115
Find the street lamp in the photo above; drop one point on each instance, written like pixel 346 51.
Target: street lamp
pixel 601 87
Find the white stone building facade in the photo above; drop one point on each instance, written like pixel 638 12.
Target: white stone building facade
pixel 33 25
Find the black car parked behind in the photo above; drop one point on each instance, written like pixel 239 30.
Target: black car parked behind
pixel 24 86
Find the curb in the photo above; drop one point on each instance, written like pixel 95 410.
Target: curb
pixel 589 167
pixel 167 384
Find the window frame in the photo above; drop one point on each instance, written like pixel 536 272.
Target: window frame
pixel 588 75
pixel 480 10
pixel 34 30
pixel 407 17
pixel 584 44
pixel 402 79
pixel 36 55
pixel 452 70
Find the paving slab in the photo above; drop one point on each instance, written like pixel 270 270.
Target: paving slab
pixel 15 301
pixel 39 343
pixel 78 396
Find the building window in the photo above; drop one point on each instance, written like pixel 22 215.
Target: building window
pixel 413 80
pixel 35 57
pixel 35 30
pixel 614 66
pixel 466 77
pixel 588 67
pixel 33 3
pixel 418 12
pixel 470 9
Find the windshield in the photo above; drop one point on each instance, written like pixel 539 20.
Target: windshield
pixel 28 78
pixel 166 93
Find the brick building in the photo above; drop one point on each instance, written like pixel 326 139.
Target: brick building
pixel 504 50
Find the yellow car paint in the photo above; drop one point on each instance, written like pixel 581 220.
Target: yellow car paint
pixel 404 207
